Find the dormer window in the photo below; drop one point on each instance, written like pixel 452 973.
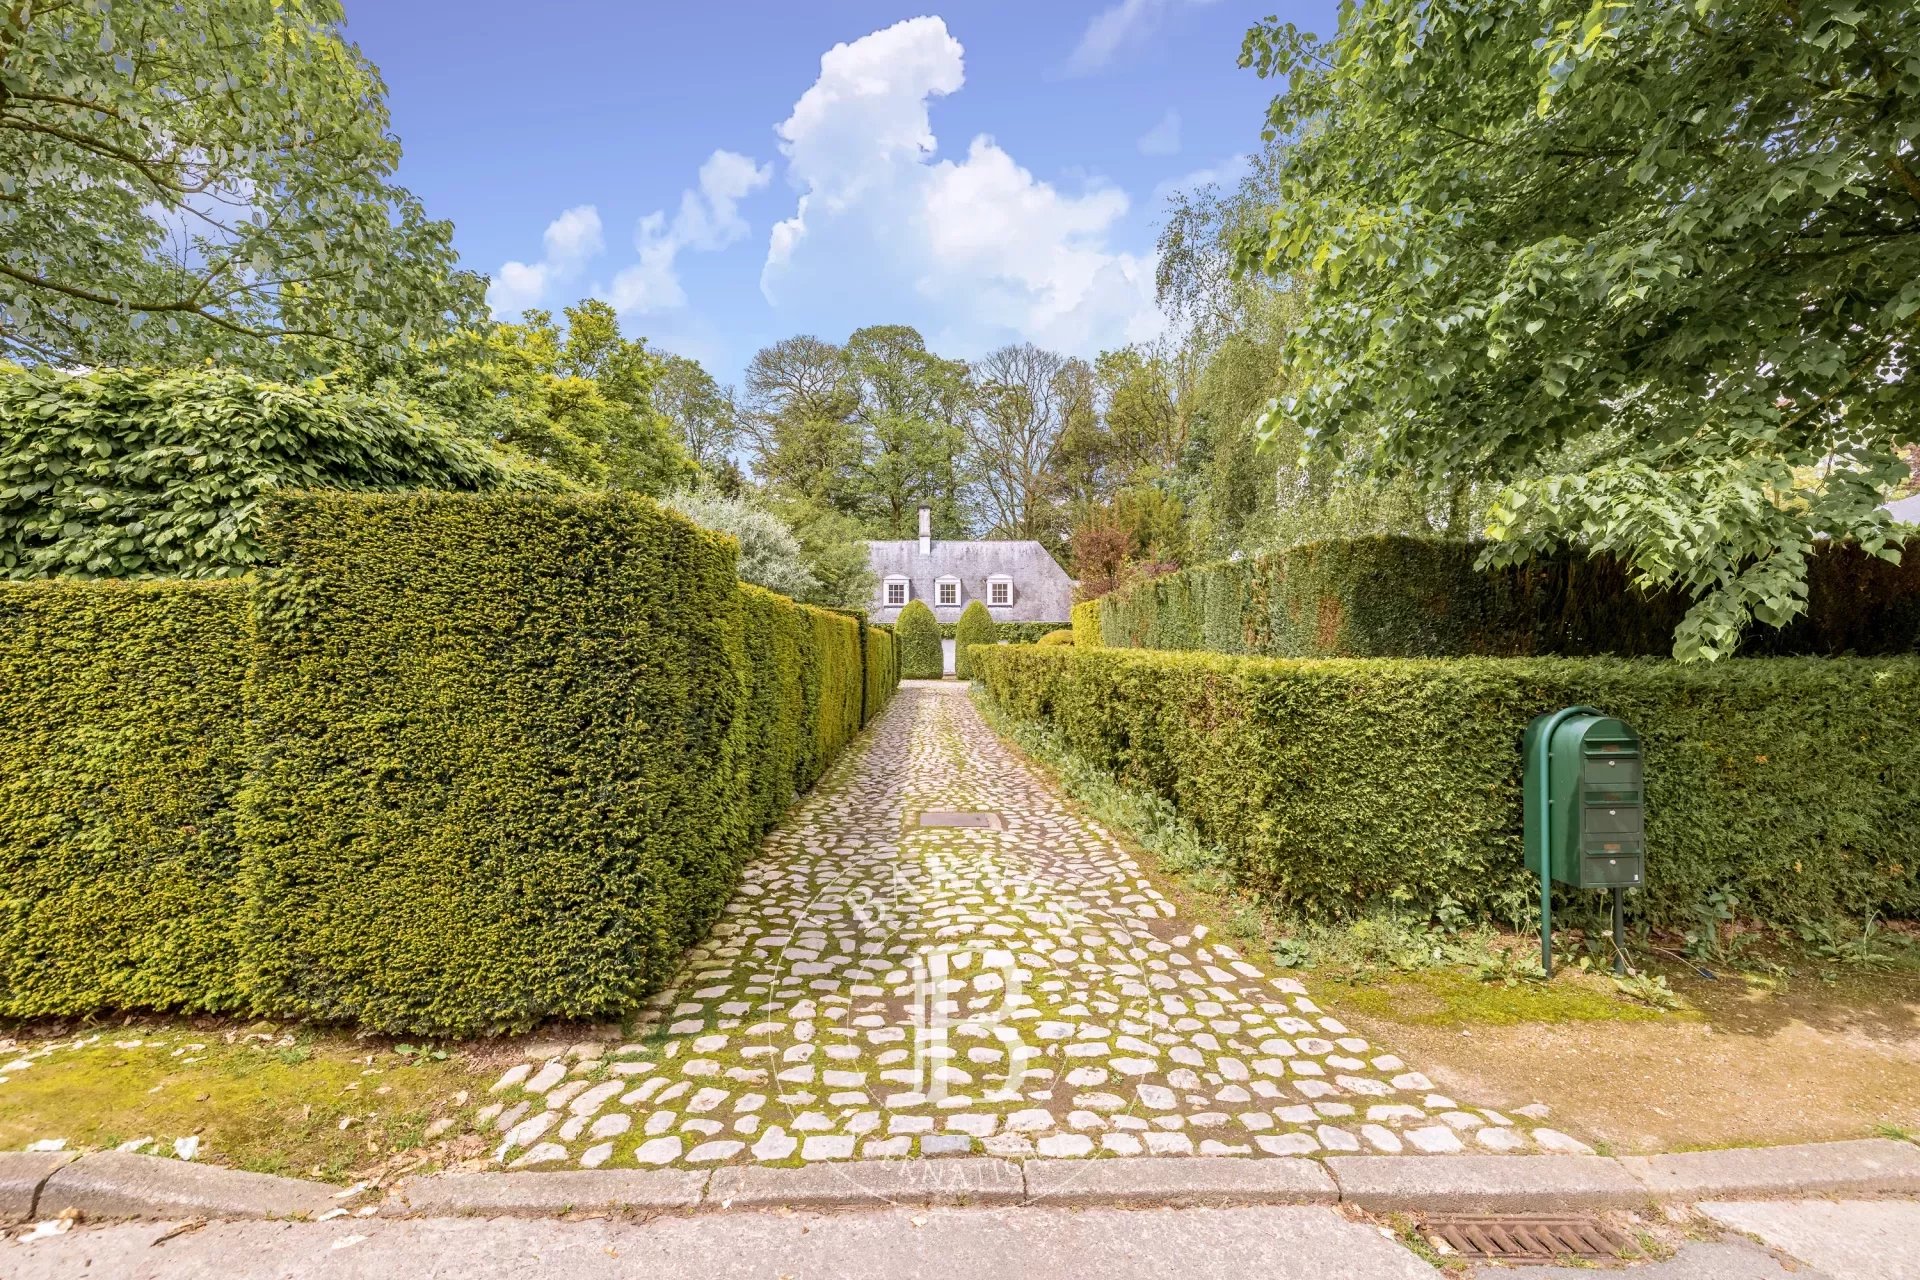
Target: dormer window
pixel 946 592
pixel 999 591
pixel 896 592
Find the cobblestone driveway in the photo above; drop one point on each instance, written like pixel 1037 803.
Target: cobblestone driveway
pixel 881 988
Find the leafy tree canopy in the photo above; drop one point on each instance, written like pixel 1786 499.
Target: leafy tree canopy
pixel 1653 266
pixel 208 177
pixel 770 555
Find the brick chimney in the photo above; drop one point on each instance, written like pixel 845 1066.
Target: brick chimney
pixel 926 531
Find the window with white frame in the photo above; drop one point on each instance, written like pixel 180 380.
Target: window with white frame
pixel 999 591
pixel 896 592
pixel 946 592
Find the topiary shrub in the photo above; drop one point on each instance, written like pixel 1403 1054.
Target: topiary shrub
pixel 918 634
pixel 139 473
pixel 1064 636
pixel 976 626
pixel 1788 784
pixel 1086 624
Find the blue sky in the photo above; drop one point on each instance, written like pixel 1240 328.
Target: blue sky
pixel 729 173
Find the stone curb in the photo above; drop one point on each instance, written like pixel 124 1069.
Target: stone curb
pixel 1486 1184
pixel 977 1180
pixel 1179 1181
pixel 22 1175
pixel 1880 1165
pixel 116 1184
pixel 538 1194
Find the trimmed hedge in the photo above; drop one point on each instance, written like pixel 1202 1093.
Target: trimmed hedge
pixel 882 662
pixel 122 743
pixel 1086 625
pixel 494 759
pixel 1056 637
pixel 1339 784
pixel 921 657
pixel 976 626
pixel 1411 597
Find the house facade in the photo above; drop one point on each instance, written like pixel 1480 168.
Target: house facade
pixel 1017 581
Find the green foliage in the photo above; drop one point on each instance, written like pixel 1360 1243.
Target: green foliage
pixel 976 626
pixel 582 402
pixel 882 662
pixel 122 741
pixel 1413 597
pixel 1009 632
pixel 1063 636
pixel 494 759
pixel 139 473
pixel 770 555
pixel 209 178
pixel 1342 785
pixel 921 657
pixel 1086 625
pixel 1651 266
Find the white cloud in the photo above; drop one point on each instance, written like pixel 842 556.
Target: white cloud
pixel 571 241
pixel 992 252
pixel 708 219
pixel 1164 138
pixel 1110 30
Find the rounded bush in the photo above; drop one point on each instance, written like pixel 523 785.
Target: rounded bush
pixel 1062 636
pixel 919 637
pixel 976 627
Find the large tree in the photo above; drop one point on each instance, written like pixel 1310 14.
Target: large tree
pixel 911 406
pixel 208 178
pixel 1654 265
pixel 1029 400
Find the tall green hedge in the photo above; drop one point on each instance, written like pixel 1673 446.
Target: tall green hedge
pixel 494 759
pixel 1086 625
pixel 1411 597
pixel 1338 784
pixel 882 660
pixel 921 657
pixel 122 743
pixel 976 626
pixel 1007 632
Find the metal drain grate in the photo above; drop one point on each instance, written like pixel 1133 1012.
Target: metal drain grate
pixel 959 818
pixel 1516 1237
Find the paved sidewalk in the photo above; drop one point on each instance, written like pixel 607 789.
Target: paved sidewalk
pixel 1275 1243
pixel 884 988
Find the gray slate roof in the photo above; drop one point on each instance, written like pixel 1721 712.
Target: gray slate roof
pixel 1042 591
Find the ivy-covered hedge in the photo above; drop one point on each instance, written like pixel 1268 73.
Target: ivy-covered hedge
pixel 122 744
pixel 494 759
pixel 1337 784
pixel 130 473
pixel 1411 597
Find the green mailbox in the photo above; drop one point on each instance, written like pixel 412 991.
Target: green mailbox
pixel 1585 811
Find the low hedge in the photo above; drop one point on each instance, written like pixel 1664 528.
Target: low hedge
pixel 1413 597
pixel 921 656
pixel 976 626
pixel 1056 637
pixel 455 764
pixel 122 744
pixel 1009 632
pixel 1339 784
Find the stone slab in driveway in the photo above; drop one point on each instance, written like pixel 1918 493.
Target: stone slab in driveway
pixel 865 1183
pixel 1485 1184
pixel 456 1194
pixel 1847 1239
pixel 21 1176
pixel 115 1184
pixel 1178 1180
pixel 1718 1260
pixel 1874 1165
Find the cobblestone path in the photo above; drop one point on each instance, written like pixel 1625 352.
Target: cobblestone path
pixel 883 988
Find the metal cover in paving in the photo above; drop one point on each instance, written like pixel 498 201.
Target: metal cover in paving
pixel 961 818
pixel 1516 1237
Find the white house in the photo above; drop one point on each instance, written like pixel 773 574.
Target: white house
pixel 1017 581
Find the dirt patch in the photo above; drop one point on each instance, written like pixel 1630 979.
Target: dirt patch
pixel 1746 1065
